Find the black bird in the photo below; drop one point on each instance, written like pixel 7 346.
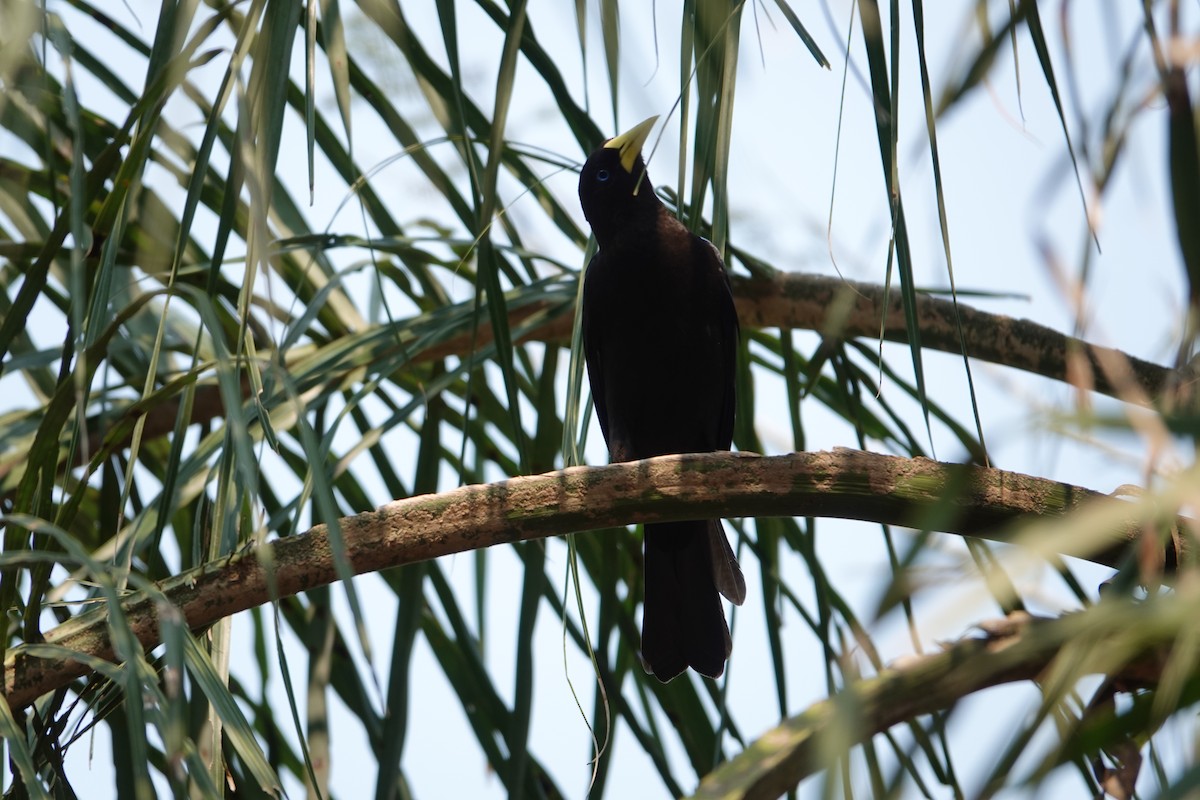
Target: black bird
pixel 660 333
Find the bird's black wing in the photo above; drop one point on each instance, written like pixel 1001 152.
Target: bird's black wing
pixel 724 312
pixel 727 575
pixel 592 340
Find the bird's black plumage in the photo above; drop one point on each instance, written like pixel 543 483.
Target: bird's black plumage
pixel 660 336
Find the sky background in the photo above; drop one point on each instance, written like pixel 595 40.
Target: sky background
pixel 1017 229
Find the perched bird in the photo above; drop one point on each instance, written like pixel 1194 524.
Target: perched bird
pixel 660 335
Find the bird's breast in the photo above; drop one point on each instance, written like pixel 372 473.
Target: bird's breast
pixel 658 335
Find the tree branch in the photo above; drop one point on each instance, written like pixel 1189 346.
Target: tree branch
pixel 841 308
pixel 838 309
pixel 850 484
pixel 1017 648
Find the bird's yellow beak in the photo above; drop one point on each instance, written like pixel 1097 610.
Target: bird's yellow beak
pixel 629 143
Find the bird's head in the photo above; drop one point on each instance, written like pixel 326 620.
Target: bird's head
pixel 614 190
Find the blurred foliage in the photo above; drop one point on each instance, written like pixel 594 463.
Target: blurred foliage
pixel 192 364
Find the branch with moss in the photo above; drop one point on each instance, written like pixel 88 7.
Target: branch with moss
pixel 850 484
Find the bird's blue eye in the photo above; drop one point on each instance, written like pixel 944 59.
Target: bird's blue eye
pixel 602 175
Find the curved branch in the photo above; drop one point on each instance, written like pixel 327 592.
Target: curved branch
pixel 840 308
pixel 850 484
pixel 1017 648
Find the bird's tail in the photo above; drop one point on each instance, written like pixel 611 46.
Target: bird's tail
pixel 683 623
